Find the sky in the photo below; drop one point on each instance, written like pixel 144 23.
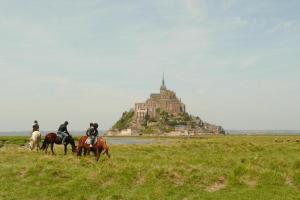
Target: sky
pixel 234 63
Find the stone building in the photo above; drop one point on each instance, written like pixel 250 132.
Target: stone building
pixel 166 100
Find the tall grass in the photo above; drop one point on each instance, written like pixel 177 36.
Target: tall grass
pixel 228 167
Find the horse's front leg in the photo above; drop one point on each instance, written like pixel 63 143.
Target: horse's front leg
pixel 30 144
pixel 79 151
pixel 47 145
pixel 52 144
pixel 84 151
pixel 65 149
pixel 106 153
pixel 87 150
pixel 38 147
pixel 98 153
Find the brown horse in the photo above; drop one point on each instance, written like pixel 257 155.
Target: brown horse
pixel 52 138
pixel 98 147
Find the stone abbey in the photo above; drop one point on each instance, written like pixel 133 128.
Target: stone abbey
pixel 161 114
pixel 166 100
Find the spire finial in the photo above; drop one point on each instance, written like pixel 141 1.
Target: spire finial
pixel 163 85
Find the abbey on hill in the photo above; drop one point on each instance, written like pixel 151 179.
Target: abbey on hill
pixel 162 114
pixel 166 101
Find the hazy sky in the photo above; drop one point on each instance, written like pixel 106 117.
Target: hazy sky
pixel 233 63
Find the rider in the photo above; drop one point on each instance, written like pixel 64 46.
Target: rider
pixel 90 129
pixel 94 134
pixel 63 131
pixel 35 126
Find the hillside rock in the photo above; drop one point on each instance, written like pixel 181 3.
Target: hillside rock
pixel 164 124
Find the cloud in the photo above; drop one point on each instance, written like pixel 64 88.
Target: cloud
pixel 283 26
pixel 249 62
pixel 195 8
pixel 238 21
pixel 228 4
pixel 94 59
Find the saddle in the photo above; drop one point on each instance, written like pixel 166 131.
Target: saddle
pixel 58 138
pixel 89 140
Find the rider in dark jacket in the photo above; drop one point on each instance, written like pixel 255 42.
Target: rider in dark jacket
pixel 90 132
pixel 63 131
pixel 35 126
pixel 96 129
pixel 90 129
pixel 94 134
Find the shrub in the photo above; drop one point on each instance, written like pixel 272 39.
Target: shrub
pixel 172 123
pixel 123 123
pixel 148 131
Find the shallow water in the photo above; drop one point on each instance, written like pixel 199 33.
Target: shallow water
pixel 131 140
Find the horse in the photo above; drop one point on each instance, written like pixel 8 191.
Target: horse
pixel 35 141
pixel 52 138
pixel 98 147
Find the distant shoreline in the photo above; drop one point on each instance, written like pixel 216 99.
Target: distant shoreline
pixel 228 132
pixel 27 133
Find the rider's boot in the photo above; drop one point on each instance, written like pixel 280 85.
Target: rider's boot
pixel 92 142
pixel 63 140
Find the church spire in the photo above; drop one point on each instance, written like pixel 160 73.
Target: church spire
pixel 163 85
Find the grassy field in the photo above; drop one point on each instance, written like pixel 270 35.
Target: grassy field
pixel 224 167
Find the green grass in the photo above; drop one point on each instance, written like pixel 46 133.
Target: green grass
pixel 125 120
pixel 224 167
pixel 18 140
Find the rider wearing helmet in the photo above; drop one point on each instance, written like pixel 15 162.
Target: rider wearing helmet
pixel 35 126
pixel 90 132
pixel 63 131
pixel 94 134
pixel 90 129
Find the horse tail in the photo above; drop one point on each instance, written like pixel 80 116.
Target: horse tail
pixel 44 144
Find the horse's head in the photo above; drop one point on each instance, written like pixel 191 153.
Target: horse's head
pixel 74 148
pixel 29 145
pixel 72 142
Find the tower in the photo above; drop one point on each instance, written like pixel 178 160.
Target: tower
pixel 163 85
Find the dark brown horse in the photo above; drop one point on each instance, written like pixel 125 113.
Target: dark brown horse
pixel 52 138
pixel 98 147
